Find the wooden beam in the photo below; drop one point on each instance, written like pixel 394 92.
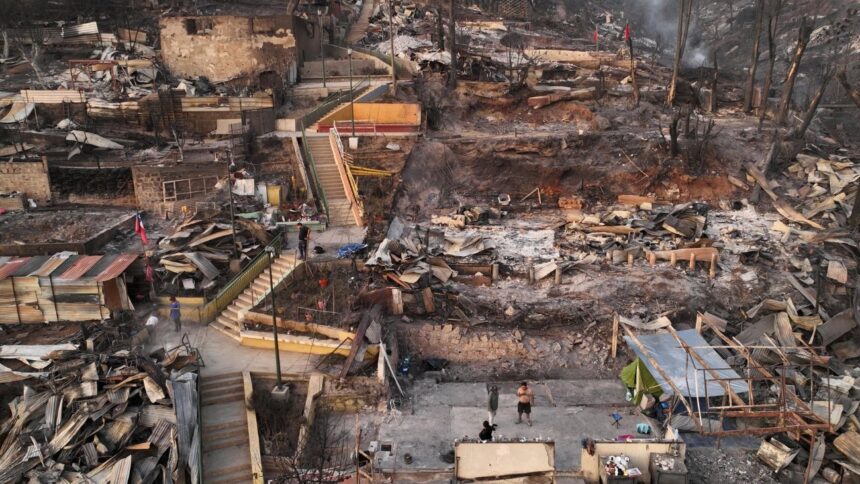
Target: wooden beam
pixel 660 370
pixel 726 386
pixel 253 431
pixel 615 321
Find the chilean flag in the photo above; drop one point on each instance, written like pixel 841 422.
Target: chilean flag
pixel 627 33
pixel 140 230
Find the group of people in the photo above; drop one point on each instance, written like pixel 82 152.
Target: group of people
pixel 525 400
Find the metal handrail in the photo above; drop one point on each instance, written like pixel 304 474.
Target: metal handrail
pixel 311 165
pixel 240 282
pixel 352 183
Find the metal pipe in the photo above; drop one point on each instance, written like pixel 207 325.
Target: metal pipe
pixel 391 34
pixel 279 383
pixel 322 45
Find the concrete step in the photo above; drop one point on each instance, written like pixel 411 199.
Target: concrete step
pixel 226 439
pixel 227 330
pixel 234 471
pixel 223 376
pixel 235 396
pixel 206 385
pixel 216 428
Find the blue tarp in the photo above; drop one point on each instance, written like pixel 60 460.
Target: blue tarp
pixel 349 250
pixel 684 371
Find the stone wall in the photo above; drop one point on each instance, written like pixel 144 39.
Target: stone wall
pixel 29 177
pixel 459 345
pixel 225 47
pixel 149 182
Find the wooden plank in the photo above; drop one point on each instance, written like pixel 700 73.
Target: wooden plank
pixel 253 432
pixel 359 338
pixel 849 444
pixel 427 296
pixel 808 294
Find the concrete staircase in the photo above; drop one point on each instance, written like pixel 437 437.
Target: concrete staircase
pixel 339 213
pixel 230 320
pixel 358 29
pixel 226 449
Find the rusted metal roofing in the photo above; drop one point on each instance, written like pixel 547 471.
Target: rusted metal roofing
pixel 11 266
pixel 116 267
pixel 67 267
pixel 79 267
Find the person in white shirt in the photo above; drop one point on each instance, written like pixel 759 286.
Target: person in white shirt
pixel 152 326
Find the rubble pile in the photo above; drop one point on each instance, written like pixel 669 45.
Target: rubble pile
pixel 96 408
pixel 197 254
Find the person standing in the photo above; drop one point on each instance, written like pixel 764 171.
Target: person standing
pixel 304 237
pixel 492 401
pixel 175 314
pixel 152 327
pixel 525 399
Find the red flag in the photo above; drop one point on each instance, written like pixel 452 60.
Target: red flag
pixel 595 36
pixel 140 230
pixel 627 33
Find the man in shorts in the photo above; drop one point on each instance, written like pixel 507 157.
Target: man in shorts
pixel 525 399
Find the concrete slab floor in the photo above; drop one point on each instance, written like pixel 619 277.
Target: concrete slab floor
pixel 447 411
pixel 330 239
pixel 222 354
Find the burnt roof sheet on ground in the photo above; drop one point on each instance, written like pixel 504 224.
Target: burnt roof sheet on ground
pixel 683 370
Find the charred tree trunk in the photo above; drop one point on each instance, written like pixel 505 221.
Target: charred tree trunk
pixel 685 11
pixel 633 73
pixel 854 219
pixel 772 23
pixel 452 46
pixel 853 93
pixel 803 35
pixel 713 101
pixel 673 132
pixel 440 29
pixel 748 91
pixel 813 106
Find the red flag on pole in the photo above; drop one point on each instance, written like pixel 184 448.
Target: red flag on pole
pixel 140 230
pixel 627 33
pixel 595 36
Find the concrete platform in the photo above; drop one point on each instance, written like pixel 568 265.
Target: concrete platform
pixel 449 411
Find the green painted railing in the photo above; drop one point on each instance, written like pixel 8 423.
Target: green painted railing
pixel 311 118
pixel 239 282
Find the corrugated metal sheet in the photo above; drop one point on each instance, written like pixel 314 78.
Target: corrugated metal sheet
pixel 79 267
pixel 31 265
pixel 116 267
pixel 68 267
pixel 52 264
pixel 11 267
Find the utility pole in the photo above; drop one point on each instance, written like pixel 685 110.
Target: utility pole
pixel 391 34
pixel 452 46
pixel 351 94
pixel 279 382
pixel 322 45
pixel 231 170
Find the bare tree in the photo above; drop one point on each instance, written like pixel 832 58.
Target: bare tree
pixel 852 91
pixel 772 23
pixel 324 455
pixel 824 80
pixel 685 11
pixel 452 45
pixel 748 91
pixel 803 35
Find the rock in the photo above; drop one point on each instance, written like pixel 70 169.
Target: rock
pixel 600 123
pixel 509 311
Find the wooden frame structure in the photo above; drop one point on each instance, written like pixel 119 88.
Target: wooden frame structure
pixel 789 413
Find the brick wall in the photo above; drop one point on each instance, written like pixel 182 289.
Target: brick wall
pixel 149 181
pixel 30 177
